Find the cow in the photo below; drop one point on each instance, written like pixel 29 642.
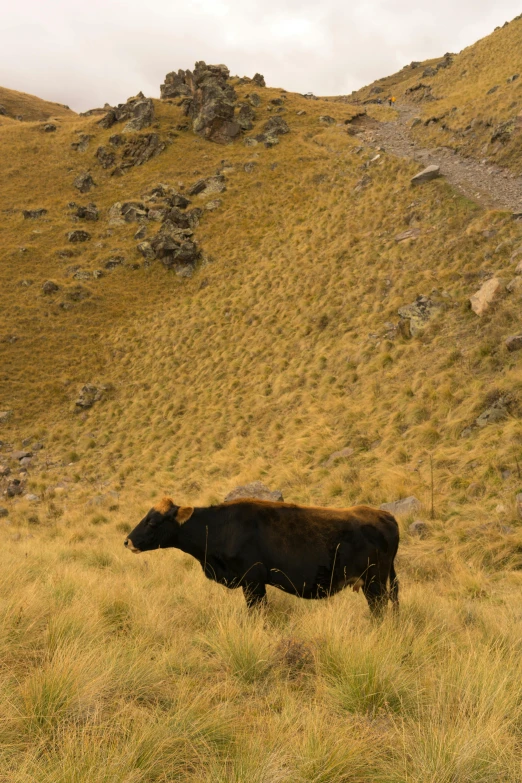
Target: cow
pixel 308 551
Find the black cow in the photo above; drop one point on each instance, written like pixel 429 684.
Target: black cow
pixel 308 551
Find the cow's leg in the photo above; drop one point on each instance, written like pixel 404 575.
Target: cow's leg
pixel 394 590
pixel 255 595
pixel 377 596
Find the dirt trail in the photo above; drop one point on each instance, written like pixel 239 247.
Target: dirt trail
pixel 488 185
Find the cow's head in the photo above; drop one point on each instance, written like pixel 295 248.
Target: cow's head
pixel 159 529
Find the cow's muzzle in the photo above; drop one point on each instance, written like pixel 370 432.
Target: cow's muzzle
pixel 128 543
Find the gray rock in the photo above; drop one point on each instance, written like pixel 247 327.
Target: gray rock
pixel 87 213
pixel 106 158
pixel 26 462
pixel 246 117
pixel 78 236
pixel 3 512
pixel 256 490
pixel 429 173
pixel 138 113
pixel 84 182
pixel 496 413
pixel 486 296
pixel 214 204
pixel 146 250
pixel 32 214
pixel 21 454
pixel 32 498
pixel 49 127
pixel 325 119
pixel 429 71
pixel 514 343
pixel 5 416
pixel 259 80
pixel 276 126
pixel 404 507
pixel 419 528
pixel 419 313
pixel 89 394
pixel 82 145
pixel 14 488
pixel 250 166
pixel 254 99
pixel 49 287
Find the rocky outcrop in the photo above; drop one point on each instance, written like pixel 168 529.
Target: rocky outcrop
pixel 139 150
pixel 138 113
pixel 78 236
pixel 256 490
pixel 208 186
pixel 106 158
pixel 174 86
pixel 82 144
pixel 84 182
pixel 211 103
pixel 246 117
pixel 485 297
pixel 259 80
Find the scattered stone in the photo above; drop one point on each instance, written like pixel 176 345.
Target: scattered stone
pixel 254 99
pixel 419 528
pixel 513 78
pixel 207 186
pixel 211 205
pixel 87 213
pixel 32 214
pixel 3 512
pixel 250 166
pixel 246 117
pixel 78 236
pixel 325 119
pixel 429 173
pixel 49 287
pixel 113 262
pixel 363 183
pixel 32 498
pixel 418 314
pixel 5 416
pixel 496 413
pixel 14 488
pixel 276 126
pixel 84 182
pixel 429 71
pixel 482 300
pixel 18 455
pixel 404 507
pixel 514 343
pixel 49 127
pixel 256 490
pixel 26 462
pixel 82 144
pixel 89 394
pixel 337 455
pixel 504 131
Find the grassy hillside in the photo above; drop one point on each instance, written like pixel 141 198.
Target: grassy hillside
pixel 281 349
pixel 30 108
pixel 468 103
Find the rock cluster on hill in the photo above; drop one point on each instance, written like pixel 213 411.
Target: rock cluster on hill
pixel 138 113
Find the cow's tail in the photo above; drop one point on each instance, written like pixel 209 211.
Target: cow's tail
pixel 394 583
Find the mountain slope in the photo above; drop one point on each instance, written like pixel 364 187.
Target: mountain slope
pixel 282 357
pixel 30 108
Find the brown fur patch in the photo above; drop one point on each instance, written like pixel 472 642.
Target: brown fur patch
pixel 184 514
pixel 164 505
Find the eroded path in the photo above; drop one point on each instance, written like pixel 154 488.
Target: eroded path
pixel 489 185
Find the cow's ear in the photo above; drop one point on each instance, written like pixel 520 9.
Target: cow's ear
pixel 184 514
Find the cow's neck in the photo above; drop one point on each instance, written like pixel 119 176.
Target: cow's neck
pixel 193 535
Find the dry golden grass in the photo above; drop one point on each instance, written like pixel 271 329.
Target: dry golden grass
pixel 31 108
pixel 274 355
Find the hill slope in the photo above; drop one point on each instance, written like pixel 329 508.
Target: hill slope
pixel 30 108
pixel 282 348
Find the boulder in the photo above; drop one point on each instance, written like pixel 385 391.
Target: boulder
pixel 87 213
pixel 403 507
pixel 256 490
pixel 89 394
pixel 49 287
pixel 138 113
pixel 259 80
pixel 497 412
pixel 429 173
pixel 246 117
pixel 174 86
pixel 418 313
pixel 514 343
pixel 276 126
pixel 84 182
pixel 482 300
pixel 419 528
pixel 254 99
pixel 32 214
pixel 78 236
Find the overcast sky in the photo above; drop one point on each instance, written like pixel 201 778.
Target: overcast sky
pixel 86 52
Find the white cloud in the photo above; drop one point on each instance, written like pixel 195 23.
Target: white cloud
pixel 84 54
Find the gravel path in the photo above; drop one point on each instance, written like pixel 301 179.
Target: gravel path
pixel 488 185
